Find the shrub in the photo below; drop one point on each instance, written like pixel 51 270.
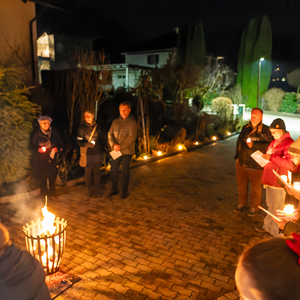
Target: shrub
pixel 208 97
pixel 289 103
pixel 16 116
pixel 273 99
pixel 222 106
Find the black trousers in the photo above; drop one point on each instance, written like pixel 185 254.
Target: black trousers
pixel 93 172
pixel 125 160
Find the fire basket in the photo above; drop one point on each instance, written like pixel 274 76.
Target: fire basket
pixel 46 242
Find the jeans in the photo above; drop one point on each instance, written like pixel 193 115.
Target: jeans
pixel 243 176
pixel 125 160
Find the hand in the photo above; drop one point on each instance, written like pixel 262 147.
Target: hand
pixel 292 191
pixel 117 147
pixel 280 224
pixel 282 215
pixel 267 156
pixel 42 149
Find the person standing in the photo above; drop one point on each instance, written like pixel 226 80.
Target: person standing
pixel 121 137
pixel 254 136
pixel 91 136
pixel 45 144
pixel 280 161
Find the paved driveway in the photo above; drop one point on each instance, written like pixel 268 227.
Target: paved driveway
pixel 174 237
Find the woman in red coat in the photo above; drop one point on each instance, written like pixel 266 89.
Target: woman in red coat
pixel 280 161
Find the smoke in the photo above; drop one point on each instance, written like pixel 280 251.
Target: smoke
pixel 24 206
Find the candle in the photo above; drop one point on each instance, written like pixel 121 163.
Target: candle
pixel 290 176
pixel 296 185
pixel 289 210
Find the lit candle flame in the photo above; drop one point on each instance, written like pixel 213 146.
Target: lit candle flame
pixel 289 209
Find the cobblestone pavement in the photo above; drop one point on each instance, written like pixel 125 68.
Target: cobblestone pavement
pixel 174 237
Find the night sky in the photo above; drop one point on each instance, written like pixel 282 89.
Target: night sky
pixel 125 24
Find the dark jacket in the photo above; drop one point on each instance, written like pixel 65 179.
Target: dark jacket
pixel 95 152
pixel 22 277
pixel 261 138
pixel 123 133
pixel 42 163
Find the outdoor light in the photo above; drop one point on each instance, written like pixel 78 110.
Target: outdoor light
pixel 214 138
pixel 145 157
pixel 228 133
pixel 159 153
pixel 258 79
pixel 179 147
pixel 196 143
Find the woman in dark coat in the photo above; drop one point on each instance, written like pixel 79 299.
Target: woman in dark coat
pixel 45 144
pixel 90 135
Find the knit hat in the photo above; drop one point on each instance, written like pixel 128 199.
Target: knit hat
pixel 45 117
pixel 277 124
pixel 295 147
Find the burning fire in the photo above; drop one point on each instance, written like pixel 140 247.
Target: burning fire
pixel 46 240
pixel 48 229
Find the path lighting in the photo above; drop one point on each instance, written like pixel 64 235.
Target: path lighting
pixel 228 133
pixel 258 79
pixel 145 157
pixel 159 153
pixel 179 147
pixel 214 138
pixel 197 143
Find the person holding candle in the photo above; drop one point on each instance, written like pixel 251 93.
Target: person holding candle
pixel 254 136
pixel 280 161
pixel 45 144
pixel 293 191
pixel 270 270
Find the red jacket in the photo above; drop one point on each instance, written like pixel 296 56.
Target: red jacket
pixel 280 160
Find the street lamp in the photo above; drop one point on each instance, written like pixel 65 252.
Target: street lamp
pixel 258 79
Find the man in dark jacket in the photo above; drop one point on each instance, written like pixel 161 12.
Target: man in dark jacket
pixel 22 277
pixel 90 135
pixel 254 136
pixel 45 144
pixel 121 137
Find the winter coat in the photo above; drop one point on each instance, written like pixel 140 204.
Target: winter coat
pixel 123 133
pixel 261 138
pixel 280 160
pixel 43 166
pixel 22 277
pixel 95 152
